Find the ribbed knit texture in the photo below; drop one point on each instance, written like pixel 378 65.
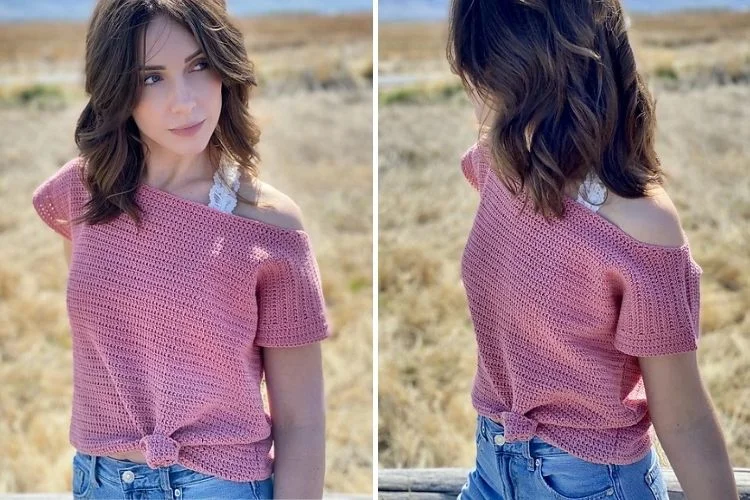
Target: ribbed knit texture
pixel 561 312
pixel 168 323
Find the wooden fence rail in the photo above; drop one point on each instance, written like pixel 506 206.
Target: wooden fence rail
pixel 445 484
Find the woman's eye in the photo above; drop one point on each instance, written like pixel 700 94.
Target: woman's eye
pixel 204 63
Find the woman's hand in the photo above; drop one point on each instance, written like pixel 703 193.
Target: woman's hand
pixel 294 378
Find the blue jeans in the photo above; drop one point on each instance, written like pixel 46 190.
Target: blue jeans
pixel 535 470
pixel 98 477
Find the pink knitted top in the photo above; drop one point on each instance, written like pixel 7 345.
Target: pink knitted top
pixel 168 324
pixel 561 313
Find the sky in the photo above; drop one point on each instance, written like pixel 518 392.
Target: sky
pixel 389 10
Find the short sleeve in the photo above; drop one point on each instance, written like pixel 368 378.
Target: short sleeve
pixel 475 164
pixel 52 199
pixel 291 306
pixel 660 308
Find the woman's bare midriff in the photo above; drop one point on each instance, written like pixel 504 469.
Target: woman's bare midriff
pixel 133 456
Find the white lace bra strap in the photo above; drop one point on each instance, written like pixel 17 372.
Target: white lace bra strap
pixel 221 197
pixel 592 192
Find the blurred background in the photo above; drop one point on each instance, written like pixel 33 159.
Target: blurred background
pixel 314 107
pixel 697 63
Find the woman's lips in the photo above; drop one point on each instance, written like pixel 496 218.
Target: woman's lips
pixel 186 132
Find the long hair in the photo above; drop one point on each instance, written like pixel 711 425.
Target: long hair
pixel 106 134
pixel 568 99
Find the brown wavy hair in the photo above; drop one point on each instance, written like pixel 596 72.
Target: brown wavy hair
pixel 567 98
pixel 106 134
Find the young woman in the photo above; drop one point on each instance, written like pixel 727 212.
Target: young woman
pixel 582 289
pixel 190 280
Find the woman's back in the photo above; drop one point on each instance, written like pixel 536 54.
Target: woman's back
pixel 562 311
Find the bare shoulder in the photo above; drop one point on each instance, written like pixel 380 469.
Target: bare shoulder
pixel 273 207
pixel 652 219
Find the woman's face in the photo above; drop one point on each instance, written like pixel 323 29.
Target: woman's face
pixel 483 112
pixel 180 94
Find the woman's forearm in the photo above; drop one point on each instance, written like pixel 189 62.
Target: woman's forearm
pixel 700 460
pixel 299 461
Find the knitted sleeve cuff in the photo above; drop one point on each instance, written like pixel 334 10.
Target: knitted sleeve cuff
pixel 660 308
pixel 291 305
pixel 51 200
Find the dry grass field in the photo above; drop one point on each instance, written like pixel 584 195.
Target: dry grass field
pixel 316 146
pixel 427 352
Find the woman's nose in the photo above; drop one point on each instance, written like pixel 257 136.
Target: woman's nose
pixel 183 98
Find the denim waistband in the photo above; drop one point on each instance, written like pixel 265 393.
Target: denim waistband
pixel 134 475
pixel 494 433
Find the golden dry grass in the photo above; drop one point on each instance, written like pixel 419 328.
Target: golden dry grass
pixel 427 352
pixel 63 41
pixel 310 49
pixel 325 165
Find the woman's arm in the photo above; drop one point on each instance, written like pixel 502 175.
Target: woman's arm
pixel 294 378
pixel 679 405
pixel 686 425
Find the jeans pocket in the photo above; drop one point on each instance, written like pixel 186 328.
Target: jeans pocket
pixel 656 482
pixel 263 490
pixel 81 482
pixel 568 477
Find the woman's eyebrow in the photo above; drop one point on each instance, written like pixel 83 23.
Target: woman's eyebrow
pixel 187 59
